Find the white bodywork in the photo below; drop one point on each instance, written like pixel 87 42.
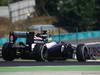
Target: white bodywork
pixel 32 46
pixel 49 45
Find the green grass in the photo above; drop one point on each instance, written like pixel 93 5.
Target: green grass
pixel 49 68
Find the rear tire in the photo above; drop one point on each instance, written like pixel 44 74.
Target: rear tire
pixel 40 52
pixel 8 53
pixel 82 53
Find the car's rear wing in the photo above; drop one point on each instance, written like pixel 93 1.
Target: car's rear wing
pixel 14 35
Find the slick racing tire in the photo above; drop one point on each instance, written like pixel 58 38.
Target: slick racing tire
pixel 8 53
pixel 82 53
pixel 40 52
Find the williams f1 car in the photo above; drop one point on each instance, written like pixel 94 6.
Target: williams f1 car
pixel 38 48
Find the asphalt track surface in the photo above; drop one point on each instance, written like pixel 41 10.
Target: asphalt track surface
pixel 20 62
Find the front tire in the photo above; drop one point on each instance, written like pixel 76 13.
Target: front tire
pixel 8 53
pixel 82 53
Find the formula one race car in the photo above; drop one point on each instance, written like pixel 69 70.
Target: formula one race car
pixel 38 48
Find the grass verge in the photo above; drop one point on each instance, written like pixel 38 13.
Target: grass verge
pixel 49 68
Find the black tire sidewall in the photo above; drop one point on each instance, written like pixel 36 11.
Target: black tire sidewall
pixel 8 53
pixel 80 53
pixel 39 52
